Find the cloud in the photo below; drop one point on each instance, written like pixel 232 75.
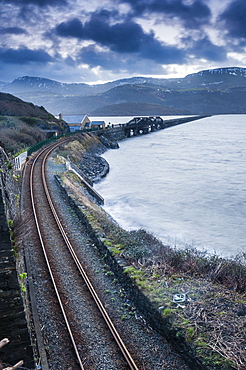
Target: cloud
pixel 75 39
pixel 192 14
pixel 72 28
pixel 107 62
pixel 125 37
pixel 233 19
pixel 205 49
pixel 105 59
pixel 12 31
pixel 40 3
pixel 24 56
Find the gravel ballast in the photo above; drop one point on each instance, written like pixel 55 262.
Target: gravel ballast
pixel 154 352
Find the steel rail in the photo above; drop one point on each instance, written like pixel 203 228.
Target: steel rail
pixel 97 300
pixel 47 261
pixel 89 285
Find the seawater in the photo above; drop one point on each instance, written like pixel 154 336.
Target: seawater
pixel 185 184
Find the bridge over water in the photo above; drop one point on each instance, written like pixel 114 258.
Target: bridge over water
pixel 144 125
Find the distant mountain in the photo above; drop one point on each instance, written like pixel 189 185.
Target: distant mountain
pixel 213 91
pixel 220 78
pixel 2 84
pixel 28 84
pixel 136 109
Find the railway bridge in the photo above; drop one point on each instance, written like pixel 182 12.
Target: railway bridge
pixel 144 125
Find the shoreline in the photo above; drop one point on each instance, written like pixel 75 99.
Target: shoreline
pixel 208 279
pixel 210 284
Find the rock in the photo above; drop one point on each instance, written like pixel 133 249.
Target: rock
pixel 242 311
pixel 109 144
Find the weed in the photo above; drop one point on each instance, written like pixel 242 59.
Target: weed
pixel 135 274
pixel 23 276
pixel 17 200
pixel 23 288
pixel 200 343
pixel 108 243
pixel 109 273
pixel 167 312
pixel 114 250
pixel 11 224
pixel 190 333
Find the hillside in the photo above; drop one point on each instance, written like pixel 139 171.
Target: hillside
pixel 215 91
pixel 13 106
pixel 23 124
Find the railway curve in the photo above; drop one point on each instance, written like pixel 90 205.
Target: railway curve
pixel 95 349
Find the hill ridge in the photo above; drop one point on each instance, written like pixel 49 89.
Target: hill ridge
pixel 212 91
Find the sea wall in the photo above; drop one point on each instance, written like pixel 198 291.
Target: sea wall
pixel 113 134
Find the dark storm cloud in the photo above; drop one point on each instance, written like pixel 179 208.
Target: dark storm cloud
pixel 204 48
pixel 24 56
pixel 12 31
pixel 191 14
pixel 234 19
pixel 72 28
pixel 111 62
pixel 124 37
pixel 120 37
pixel 41 3
pixel 94 58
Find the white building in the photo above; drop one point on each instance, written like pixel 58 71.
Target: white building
pixel 76 121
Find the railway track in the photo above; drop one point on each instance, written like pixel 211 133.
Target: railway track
pixel 52 232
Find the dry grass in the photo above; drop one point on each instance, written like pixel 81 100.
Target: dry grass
pixel 76 148
pixel 16 135
pixel 213 317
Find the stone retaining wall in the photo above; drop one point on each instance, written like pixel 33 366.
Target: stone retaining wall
pixel 113 134
pixel 13 324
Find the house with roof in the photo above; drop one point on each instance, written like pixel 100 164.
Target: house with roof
pixel 75 121
pixel 95 125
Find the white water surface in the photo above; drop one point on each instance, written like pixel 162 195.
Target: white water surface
pixel 185 184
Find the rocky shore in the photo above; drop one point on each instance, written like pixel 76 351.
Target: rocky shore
pixel 93 166
pixel 195 300
pixel 210 316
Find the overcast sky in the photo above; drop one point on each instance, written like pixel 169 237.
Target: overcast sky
pixel 98 40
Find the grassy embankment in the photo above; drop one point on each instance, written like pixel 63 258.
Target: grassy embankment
pixel 17 135
pixel 22 124
pixel 213 316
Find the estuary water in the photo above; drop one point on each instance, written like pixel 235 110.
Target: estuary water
pixel 185 184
